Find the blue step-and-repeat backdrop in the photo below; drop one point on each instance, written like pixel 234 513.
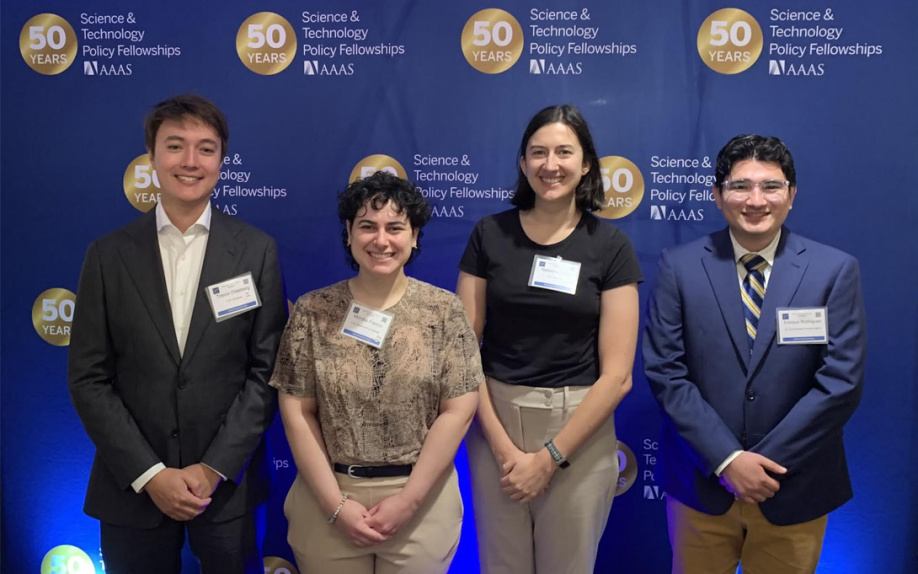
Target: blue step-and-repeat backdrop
pixel 318 92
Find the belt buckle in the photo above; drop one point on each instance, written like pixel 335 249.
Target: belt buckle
pixel 350 470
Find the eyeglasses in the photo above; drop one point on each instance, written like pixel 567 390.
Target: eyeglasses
pixel 768 187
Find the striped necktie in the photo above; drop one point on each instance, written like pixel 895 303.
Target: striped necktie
pixel 753 292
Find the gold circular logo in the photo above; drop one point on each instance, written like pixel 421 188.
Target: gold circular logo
pixel 275 565
pixel 729 41
pixel 627 469
pixel 52 314
pixel 141 185
pixel 48 44
pixel 66 559
pixel 492 41
pixel 623 185
pixel 379 162
pixel 266 43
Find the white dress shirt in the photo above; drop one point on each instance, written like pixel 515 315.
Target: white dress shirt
pixel 182 255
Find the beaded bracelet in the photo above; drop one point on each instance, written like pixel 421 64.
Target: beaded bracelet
pixel 334 516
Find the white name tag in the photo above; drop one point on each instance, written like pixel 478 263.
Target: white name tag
pixel 366 325
pixel 555 274
pixel 233 297
pixel 803 326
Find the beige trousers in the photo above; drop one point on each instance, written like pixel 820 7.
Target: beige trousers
pixel 558 532
pixel 426 545
pixel 710 544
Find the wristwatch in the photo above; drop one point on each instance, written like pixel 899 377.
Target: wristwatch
pixel 556 454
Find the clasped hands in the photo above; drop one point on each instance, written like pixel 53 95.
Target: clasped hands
pixel 368 527
pixel 524 475
pixel 183 493
pixel 746 479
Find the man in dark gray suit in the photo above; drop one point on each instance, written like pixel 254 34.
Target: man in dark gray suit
pixel 169 363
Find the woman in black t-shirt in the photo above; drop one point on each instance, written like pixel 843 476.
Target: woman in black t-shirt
pixel 551 291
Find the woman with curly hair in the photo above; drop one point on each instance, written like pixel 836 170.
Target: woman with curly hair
pixel 377 377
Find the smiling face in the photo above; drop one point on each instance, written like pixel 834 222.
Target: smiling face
pixel 553 163
pixel 381 239
pixel 755 216
pixel 187 157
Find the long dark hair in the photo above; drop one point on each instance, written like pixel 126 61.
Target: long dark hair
pixel 589 195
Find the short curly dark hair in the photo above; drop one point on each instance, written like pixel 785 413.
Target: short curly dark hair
pixel 376 191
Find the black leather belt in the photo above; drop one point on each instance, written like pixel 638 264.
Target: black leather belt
pixel 358 471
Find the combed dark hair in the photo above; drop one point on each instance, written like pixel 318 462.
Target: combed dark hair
pixel 181 108
pixel 376 191
pixel 589 195
pixel 759 148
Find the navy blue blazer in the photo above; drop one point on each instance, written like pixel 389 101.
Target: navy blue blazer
pixel 785 402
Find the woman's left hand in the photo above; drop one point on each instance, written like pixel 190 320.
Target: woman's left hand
pixel 527 476
pixel 391 514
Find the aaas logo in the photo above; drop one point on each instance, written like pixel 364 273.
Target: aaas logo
pixel 782 68
pixel 557 68
pixel 653 492
pixel 448 211
pixel 314 68
pixel 663 212
pixel 94 68
pixel 227 208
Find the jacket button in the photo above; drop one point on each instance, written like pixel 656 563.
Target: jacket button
pixel 750 396
pixel 174 433
pixel 182 383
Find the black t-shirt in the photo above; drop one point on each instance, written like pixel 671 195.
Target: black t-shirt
pixel 534 336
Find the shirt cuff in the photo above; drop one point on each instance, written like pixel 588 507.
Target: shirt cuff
pixel 214 469
pixel 144 478
pixel 727 461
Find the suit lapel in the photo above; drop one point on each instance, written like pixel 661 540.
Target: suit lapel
pixel 144 265
pixel 790 265
pixel 220 258
pixel 720 267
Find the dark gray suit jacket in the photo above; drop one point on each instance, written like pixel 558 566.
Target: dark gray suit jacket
pixel 142 403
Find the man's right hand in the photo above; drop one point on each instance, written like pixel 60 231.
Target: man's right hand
pixel 746 478
pixel 170 490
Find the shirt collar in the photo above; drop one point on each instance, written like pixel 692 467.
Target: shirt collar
pixel 768 254
pixel 163 221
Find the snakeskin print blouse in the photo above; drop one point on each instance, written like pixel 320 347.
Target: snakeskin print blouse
pixel 375 406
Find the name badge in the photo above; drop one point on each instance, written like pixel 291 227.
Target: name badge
pixel 555 274
pixel 366 325
pixel 803 326
pixel 233 297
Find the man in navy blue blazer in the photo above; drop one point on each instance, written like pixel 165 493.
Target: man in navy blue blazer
pixel 754 347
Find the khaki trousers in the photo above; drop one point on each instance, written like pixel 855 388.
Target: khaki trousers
pixel 710 544
pixel 558 532
pixel 425 545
